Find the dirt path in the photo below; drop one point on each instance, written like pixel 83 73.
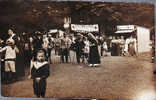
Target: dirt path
pixel 118 78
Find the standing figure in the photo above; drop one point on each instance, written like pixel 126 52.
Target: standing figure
pixel 37 43
pixel 57 45
pixel 132 46
pixel 65 44
pixel 126 46
pixel 25 54
pixel 114 47
pixel 50 44
pixel 105 48
pixel 10 58
pixel 78 47
pixel 2 55
pixel 19 56
pixel 153 48
pixel 122 45
pixel 45 42
pixel 39 73
pixel 101 43
pixel 118 46
pixel 31 46
pixel 94 55
pixel 86 50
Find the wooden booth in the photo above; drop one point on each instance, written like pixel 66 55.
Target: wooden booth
pixel 141 34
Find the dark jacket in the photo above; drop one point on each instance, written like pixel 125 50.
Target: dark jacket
pixel 79 45
pixel 42 72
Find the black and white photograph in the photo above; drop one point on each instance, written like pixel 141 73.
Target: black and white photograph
pixel 77 50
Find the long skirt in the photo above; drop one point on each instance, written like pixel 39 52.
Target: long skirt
pixel 132 50
pixel 94 57
pixel 114 50
pixel 39 87
pixel 119 50
pixel 20 67
pixel 27 55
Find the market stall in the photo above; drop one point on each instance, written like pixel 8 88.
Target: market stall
pixel 141 34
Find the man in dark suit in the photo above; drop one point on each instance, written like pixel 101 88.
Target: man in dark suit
pixel 78 46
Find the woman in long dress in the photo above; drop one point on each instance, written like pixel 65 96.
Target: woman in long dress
pixel 94 55
pixel 130 46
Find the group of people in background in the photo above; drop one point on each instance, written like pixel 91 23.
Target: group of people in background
pixel 34 52
pixel 123 47
pixel 88 48
pixel 17 51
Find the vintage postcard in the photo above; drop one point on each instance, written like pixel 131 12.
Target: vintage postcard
pixel 77 49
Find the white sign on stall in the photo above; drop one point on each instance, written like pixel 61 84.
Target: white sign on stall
pixel 85 28
pixel 125 27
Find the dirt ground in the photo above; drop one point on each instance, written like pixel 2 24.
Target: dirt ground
pixel 117 78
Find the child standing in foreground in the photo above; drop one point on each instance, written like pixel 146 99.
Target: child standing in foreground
pixel 39 70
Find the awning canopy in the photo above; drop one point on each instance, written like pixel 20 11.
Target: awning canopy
pixel 124 31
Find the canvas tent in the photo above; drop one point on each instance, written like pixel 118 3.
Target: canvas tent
pixel 142 35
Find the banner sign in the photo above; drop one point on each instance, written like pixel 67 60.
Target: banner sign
pixel 85 28
pixel 125 27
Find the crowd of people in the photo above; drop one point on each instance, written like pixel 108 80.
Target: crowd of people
pixel 17 51
pixel 34 52
pixel 124 47
pixel 87 47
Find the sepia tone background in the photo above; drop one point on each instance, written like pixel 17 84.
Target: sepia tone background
pixel 31 15
pixel 23 15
